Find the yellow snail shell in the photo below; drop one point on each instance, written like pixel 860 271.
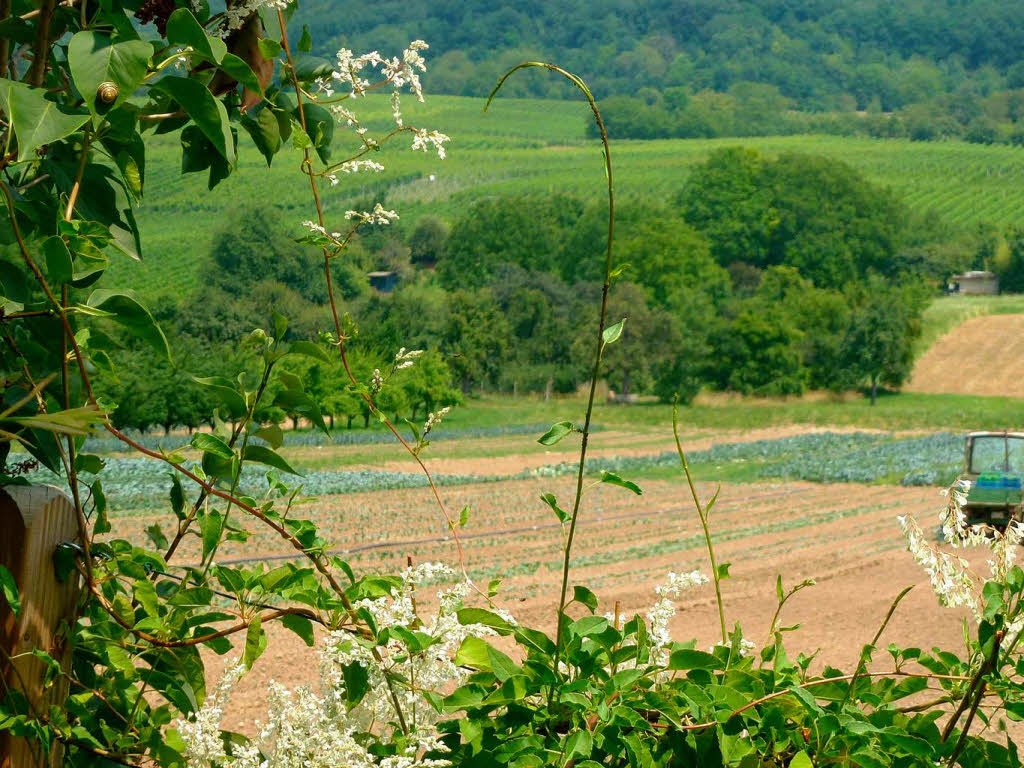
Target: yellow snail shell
pixel 107 92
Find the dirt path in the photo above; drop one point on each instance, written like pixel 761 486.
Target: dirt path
pixel 843 536
pixel 981 356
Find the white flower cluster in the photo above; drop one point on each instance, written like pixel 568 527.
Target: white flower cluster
pixel 235 16
pixel 377 216
pixel 746 646
pixel 315 729
pixel 423 140
pixel 406 358
pixel 316 229
pixel 664 609
pixel 434 418
pixel 354 166
pixel 949 575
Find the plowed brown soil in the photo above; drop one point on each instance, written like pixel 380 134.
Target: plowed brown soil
pixel 843 536
pixel 981 356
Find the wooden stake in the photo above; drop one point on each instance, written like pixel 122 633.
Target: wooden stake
pixel 34 520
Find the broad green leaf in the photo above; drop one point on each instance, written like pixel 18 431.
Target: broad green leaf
pixel 239 70
pixel 184 29
pixel 464 517
pixel 801 760
pixel 264 128
pixel 207 443
pixel 357 682
pixel 10 588
pixel 301 626
pixel 481 616
pixel 269 48
pixel 224 388
pixel 613 479
pixel 96 59
pixel 211 525
pixel 205 110
pixel 36 120
pixel 272 434
pixel 556 433
pixel 580 743
pixel 474 653
pixel 690 658
pixel 126 310
pixel 612 333
pixel 255 642
pixel 265 455
pixel 306 41
pixel 585 597
pixel 551 501
pixel 59 268
pixel 308 348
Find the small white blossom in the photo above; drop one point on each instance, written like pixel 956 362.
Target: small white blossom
pixel 379 215
pixel 423 140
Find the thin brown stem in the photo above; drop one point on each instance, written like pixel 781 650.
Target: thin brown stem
pixel 862 662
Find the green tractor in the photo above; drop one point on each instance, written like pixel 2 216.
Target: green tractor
pixel 994 465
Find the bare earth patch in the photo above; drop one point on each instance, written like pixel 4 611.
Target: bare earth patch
pixel 981 356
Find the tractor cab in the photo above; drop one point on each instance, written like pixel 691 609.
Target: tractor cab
pixel 994 465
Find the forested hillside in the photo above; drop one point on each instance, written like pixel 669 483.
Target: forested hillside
pixel 823 54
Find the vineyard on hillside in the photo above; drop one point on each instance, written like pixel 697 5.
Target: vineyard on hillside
pixel 539 146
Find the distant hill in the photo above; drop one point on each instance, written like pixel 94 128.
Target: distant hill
pixel 821 54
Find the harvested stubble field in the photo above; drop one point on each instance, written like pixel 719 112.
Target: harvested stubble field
pixel 844 536
pixel 980 356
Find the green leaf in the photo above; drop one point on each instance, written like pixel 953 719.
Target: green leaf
pixel 239 70
pixel 10 588
pixel 306 41
pixel 613 479
pixel 492 587
pixel 255 642
pixel 272 434
pixel 184 29
pixel 301 626
pixel 99 499
pixel 207 443
pixel 224 388
pixel 308 348
pixel 580 743
pixel 612 333
pixel 95 59
pixel 481 616
pixel 59 268
pixel 127 311
pixel 205 110
pixel 723 571
pixel 211 525
pixel 556 433
pixel 357 682
pixel 464 517
pixel 584 596
pixel 690 658
pixel 801 760
pixel 36 120
pixel 269 48
pixel 551 501
pixel 265 455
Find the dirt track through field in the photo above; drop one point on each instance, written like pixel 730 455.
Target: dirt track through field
pixel 981 356
pixel 843 536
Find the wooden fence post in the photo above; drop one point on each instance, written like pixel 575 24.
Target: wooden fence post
pixel 34 520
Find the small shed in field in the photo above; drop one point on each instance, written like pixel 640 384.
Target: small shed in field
pixel 974 283
pixel 384 281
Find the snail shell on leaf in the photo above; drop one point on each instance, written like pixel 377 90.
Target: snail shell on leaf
pixel 107 92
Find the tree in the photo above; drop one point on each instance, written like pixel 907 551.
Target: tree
pixel 475 337
pixel 428 241
pixel 878 346
pixel 759 353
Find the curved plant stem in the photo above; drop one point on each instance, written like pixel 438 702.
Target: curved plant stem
pixel 874 641
pixel 599 351
pixel 702 513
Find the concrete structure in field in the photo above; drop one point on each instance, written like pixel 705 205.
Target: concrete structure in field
pixel 974 283
pixel 383 281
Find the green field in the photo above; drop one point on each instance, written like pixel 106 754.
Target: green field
pixel 525 145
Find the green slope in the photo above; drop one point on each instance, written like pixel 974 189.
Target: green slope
pixel 525 145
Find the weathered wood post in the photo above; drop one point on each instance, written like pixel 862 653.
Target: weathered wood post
pixel 34 520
